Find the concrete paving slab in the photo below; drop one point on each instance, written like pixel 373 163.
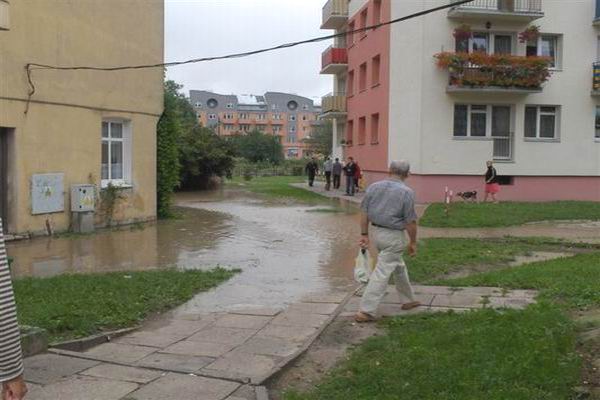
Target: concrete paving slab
pixel 478 291
pixel 314 308
pixel 395 310
pixel 527 294
pixel 269 347
pixel 508 302
pixel 457 300
pixel 120 353
pixel 83 388
pixel 244 364
pixel 122 373
pixel 245 392
pixel 151 339
pixel 242 321
pixel 291 333
pixel 231 336
pixel 450 309
pixel 260 311
pixel 185 363
pixel 295 318
pixel 334 297
pixel 445 290
pixel 178 326
pixel 199 349
pixel 394 298
pixel 48 368
pixel 185 387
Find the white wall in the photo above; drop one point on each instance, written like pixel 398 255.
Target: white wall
pixel 421 112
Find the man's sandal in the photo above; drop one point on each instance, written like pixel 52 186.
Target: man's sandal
pixel 362 317
pixel 411 305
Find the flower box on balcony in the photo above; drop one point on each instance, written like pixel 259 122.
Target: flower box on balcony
pixel 480 70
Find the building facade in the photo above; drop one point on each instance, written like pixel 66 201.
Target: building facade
pixel 289 117
pixel 79 127
pixel 513 81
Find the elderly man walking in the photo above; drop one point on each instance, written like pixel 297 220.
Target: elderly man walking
pixel 389 206
pixel 11 359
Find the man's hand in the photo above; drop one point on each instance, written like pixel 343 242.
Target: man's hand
pixel 15 389
pixel 364 242
pixel 412 249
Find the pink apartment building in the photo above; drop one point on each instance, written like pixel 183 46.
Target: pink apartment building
pixel 391 99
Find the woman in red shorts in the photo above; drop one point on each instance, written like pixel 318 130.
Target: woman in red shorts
pixel 491 182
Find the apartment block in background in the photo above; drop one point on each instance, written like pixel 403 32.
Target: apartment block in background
pixel 476 82
pixel 79 127
pixel 289 117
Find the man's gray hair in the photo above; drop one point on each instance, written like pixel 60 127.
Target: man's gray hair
pixel 400 168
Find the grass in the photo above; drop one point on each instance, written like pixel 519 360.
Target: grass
pixel 485 354
pixel 571 283
pixel 478 355
pixel 473 215
pixel 279 187
pixel 73 306
pixel 437 257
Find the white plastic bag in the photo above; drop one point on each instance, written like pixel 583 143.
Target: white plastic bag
pixel 363 266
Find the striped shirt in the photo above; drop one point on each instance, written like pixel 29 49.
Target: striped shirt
pixel 11 358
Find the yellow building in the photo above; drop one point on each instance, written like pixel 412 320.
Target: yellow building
pixel 80 126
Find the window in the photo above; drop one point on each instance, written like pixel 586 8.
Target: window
pixel 116 153
pixel 484 42
pixel 305 107
pixel 292 117
pixel 546 46
pixel 291 136
pixel 304 118
pixel 363 22
pixel 362 77
pixel 274 107
pixel 228 116
pixel 260 117
pixel 376 12
pixel 362 130
pixel 243 116
pixel 276 116
pixel 541 122
pixel 245 127
pixel 476 120
pixel 276 129
pixel 228 127
pixel 350 83
pixel 375 66
pixel 349 132
pixel 292 152
pixel 229 105
pixel 374 128
pixel 198 104
pixel 351 27
pixel 212 116
pixel 597 135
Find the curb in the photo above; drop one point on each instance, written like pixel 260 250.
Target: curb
pixel 92 341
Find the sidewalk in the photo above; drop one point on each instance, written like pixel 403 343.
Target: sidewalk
pixel 222 356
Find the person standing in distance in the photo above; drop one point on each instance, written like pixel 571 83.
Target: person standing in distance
pixel 389 207
pixel 312 169
pixel 328 168
pixel 11 356
pixel 350 171
pixel 337 173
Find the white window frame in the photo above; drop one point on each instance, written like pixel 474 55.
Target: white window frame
pixel 557 50
pixel 488 123
pixel 126 140
pixel 305 107
pixel 292 117
pixel 198 104
pixel 229 105
pixel 491 42
pixel 276 129
pixel 212 116
pixel 260 117
pixel 243 116
pixel 538 126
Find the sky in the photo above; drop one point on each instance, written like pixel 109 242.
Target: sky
pixel 200 28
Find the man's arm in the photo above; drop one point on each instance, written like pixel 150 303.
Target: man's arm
pixel 364 230
pixel 411 229
pixel 11 359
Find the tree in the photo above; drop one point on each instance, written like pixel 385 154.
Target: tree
pixel 204 155
pixel 321 139
pixel 257 146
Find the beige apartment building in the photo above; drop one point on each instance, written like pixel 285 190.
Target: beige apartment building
pixel 80 126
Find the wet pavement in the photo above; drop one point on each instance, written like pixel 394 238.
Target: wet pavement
pixel 284 250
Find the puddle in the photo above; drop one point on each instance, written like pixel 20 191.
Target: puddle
pixel 284 251
pixel 538 256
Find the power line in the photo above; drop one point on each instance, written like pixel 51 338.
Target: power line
pixel 35 66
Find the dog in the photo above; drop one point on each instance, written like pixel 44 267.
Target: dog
pixel 468 196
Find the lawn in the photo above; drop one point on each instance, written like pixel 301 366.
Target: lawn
pixel 486 354
pixel 73 306
pixel 279 187
pixel 474 215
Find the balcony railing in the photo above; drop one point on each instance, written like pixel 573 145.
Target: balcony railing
pixel 335 14
pixel 490 73
pixel 333 105
pixel 596 79
pixel 506 9
pixel 334 60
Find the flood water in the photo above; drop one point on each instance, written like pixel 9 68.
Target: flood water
pixel 285 251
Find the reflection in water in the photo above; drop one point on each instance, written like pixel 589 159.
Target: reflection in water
pixel 284 251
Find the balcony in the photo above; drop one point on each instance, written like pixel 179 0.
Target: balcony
pixel 4 15
pixel 480 72
pixel 503 10
pixel 596 79
pixel 335 14
pixel 334 61
pixel 333 106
